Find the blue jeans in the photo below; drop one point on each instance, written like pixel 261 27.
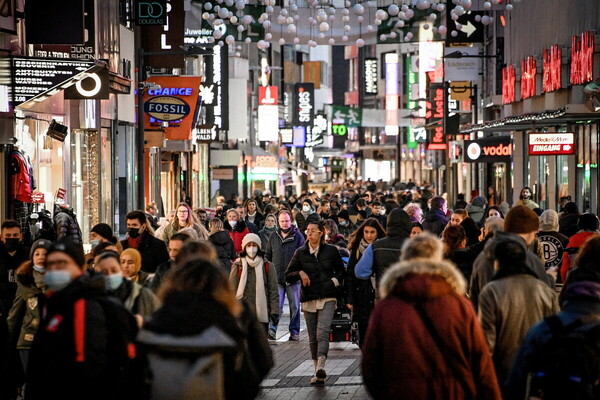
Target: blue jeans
pixel 318 325
pixel 293 294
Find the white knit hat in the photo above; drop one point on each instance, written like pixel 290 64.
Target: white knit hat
pixel 251 237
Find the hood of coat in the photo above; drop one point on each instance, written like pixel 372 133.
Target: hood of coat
pixel 435 214
pixel 490 246
pixel 220 238
pixel 422 279
pixel 398 223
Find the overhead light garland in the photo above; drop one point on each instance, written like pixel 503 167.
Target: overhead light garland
pixel 320 22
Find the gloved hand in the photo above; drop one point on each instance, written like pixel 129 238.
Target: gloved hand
pixel 274 319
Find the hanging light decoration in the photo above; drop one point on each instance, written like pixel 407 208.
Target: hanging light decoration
pixel 324 22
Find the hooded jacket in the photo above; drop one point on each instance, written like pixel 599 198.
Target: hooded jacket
pixel 387 251
pixel 24 317
pixel 225 249
pixel 483 267
pixel 476 209
pixel 280 250
pixel 401 358
pixel 435 221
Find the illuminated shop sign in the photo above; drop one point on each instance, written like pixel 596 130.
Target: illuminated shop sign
pixel 391 94
pixel 166 108
pixel 552 144
pixel 490 150
pixel 528 72
pixel 151 12
pixel 582 58
pixel 552 76
pixel 509 79
pixel 215 87
pixel 435 114
pixel 371 76
pixel 304 104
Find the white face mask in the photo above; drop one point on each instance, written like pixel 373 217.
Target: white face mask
pixel 306 208
pixel 251 251
pixel 232 224
pixel 382 211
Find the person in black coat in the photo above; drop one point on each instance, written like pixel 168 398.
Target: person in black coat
pixel 320 268
pixel 154 251
pixel 435 220
pixel 12 254
pixel 221 239
pixel 568 220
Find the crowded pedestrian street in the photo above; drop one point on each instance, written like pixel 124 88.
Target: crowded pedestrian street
pixel 299 199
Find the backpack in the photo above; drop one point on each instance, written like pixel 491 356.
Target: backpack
pixel 568 365
pixel 43 219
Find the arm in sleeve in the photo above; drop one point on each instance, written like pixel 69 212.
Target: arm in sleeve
pixel 338 269
pixel 487 317
pixel 350 279
pixel 269 248
pixel 373 356
pixel 292 273
pixel 364 268
pixel 273 290
pixel 15 317
pixel 234 279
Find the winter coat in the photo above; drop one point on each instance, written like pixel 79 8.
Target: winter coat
pixel 259 220
pixel 475 212
pixel 24 317
pixel 568 224
pixel 177 320
pixel 359 292
pixel 65 224
pixel 264 235
pixel 553 245
pixel 136 298
pixel 508 308
pixel 401 359
pixel 280 251
pixel 159 275
pixel 302 221
pixel 527 203
pixel 153 251
pixel 347 230
pixel 579 302
pixel 144 279
pixel 435 221
pixel 8 281
pixel 575 242
pixel 174 227
pixel 472 231
pixel 83 345
pixel 270 280
pixel 225 249
pixel 237 234
pixel 327 264
pixel 463 259
pixel 383 253
pixel 483 267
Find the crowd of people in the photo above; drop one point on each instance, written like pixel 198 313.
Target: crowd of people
pixel 450 302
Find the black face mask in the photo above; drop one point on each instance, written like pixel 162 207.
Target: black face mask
pixel 286 230
pixel 11 244
pixel 133 232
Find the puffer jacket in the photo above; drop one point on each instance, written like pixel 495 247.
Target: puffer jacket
pixel 327 264
pixel 237 234
pixel 401 359
pixel 65 224
pixel 280 251
pixel 225 250
pixel 435 221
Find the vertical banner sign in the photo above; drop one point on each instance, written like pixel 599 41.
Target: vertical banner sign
pixel 582 58
pixel 528 73
pixel 391 94
pixel 435 118
pixel 175 103
pixel 165 38
pixel 214 91
pixel 304 104
pixel 509 79
pixel 371 76
pixel 552 75
pixel 312 72
pixel 268 114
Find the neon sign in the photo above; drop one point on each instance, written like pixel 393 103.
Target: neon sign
pixel 170 92
pixel 528 73
pixel 582 58
pixel 552 79
pixel 509 78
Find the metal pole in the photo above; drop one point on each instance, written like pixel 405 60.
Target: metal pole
pixel 140 132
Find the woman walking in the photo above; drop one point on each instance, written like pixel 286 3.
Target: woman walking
pixel 222 242
pixel 319 267
pixel 360 293
pixel 131 264
pixel 184 218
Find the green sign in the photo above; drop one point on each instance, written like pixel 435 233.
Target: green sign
pixel 343 115
pixel 411 141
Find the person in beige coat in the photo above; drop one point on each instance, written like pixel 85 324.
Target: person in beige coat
pixel 511 303
pixel 255 281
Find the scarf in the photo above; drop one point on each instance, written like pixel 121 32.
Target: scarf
pixel 362 246
pixel 260 300
pixel 134 243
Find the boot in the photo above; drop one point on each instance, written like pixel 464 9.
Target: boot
pixel 314 379
pixel 320 373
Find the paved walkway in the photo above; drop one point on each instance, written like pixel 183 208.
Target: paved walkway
pixel 290 377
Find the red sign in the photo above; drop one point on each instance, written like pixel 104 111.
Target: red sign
pixel 509 79
pixel 60 193
pixel 582 58
pixel 551 144
pixel 38 197
pixel 267 95
pixel 528 73
pixel 437 140
pixel 552 77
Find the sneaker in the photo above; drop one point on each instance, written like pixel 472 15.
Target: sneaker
pixel 272 335
pixel 294 337
pixel 315 380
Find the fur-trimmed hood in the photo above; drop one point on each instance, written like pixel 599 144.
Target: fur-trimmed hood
pixel 406 270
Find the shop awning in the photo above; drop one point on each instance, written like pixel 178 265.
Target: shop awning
pixel 568 114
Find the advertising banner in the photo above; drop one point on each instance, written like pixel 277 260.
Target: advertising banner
pixel 551 144
pixel 489 150
pixel 303 111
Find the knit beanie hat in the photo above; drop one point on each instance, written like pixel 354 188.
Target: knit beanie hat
pixel 39 244
pixel 521 219
pixel 479 201
pixel 344 214
pixel 549 221
pixel 103 230
pixel 70 248
pixel 251 238
pixel 307 201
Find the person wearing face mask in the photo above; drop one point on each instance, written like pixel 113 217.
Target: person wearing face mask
pixel 306 215
pixel 140 236
pixel 85 343
pixel 100 233
pixel 345 226
pixel 24 316
pixel 237 229
pixel 269 227
pixel 139 300
pixel 12 254
pixel 255 281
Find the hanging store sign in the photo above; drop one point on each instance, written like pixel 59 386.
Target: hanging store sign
pixel 464 68
pixel 314 133
pixel 268 123
pixel 304 104
pixel 371 76
pixel 582 58
pixel 214 90
pixel 552 75
pixel 96 86
pixel 490 150
pixel 160 41
pixel 205 134
pixel 509 80
pixel 551 144
pixel 151 12
pixel 348 116
pixel 175 105
pixel 267 95
pixel 528 74
pixel 299 136
pixel 287 136
pixel 436 139
pixel 391 94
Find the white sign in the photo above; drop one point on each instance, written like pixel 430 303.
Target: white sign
pixel 371 76
pixel 464 68
pixel 268 123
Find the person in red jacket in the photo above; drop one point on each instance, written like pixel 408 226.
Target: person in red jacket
pixel 237 229
pixel 588 225
pixel 424 340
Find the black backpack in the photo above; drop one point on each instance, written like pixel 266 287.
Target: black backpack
pixel 568 365
pixel 46 230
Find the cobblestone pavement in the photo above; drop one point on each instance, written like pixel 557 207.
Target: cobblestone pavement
pixel 290 377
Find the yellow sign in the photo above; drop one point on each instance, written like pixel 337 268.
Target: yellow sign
pixel 460 91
